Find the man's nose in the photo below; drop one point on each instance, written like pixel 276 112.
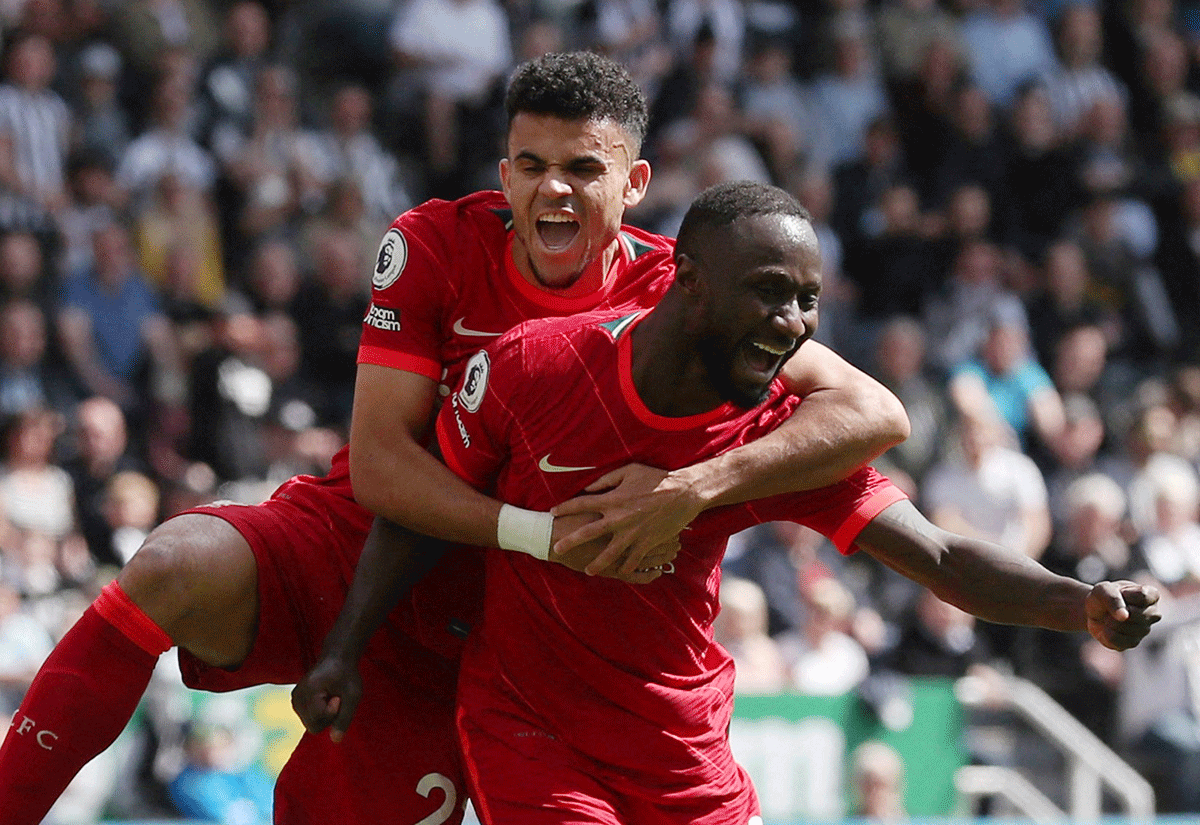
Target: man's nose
pixel 789 320
pixel 554 185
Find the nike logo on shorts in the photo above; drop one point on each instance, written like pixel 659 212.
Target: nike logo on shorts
pixel 459 329
pixel 546 467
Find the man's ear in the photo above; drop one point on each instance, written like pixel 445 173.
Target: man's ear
pixel 636 184
pixel 505 174
pixel 687 274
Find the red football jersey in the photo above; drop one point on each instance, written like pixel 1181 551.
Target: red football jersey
pixel 628 675
pixel 445 285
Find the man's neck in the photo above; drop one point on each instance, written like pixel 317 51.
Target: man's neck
pixel 590 280
pixel 668 374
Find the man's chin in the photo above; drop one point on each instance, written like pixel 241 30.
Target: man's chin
pixel 556 277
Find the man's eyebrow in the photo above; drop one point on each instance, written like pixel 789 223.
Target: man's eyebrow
pixel 578 160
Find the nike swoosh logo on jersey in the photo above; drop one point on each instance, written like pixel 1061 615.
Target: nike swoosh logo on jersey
pixel 546 467
pixel 459 329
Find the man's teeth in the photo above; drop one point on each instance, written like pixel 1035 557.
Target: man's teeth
pixel 769 349
pixel 557 219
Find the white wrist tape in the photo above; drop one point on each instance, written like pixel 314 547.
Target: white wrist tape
pixel 526 531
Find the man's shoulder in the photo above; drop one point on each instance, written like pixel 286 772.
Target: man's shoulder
pixel 605 325
pixel 640 242
pixel 488 207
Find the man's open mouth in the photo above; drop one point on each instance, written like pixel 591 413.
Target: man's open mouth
pixel 764 358
pixel 557 231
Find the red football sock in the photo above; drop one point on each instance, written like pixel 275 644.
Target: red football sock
pixel 80 701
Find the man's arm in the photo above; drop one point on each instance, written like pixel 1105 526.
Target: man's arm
pixel 847 420
pixel 1003 586
pixel 395 477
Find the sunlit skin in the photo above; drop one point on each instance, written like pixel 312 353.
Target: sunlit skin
pixel 568 184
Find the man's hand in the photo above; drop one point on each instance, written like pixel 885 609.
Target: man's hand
pixel 328 695
pixel 1119 614
pixel 585 558
pixel 645 509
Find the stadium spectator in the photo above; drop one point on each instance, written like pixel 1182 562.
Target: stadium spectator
pixel 956 313
pixel 24 271
pixel 102 450
pixel 101 124
pixel 1080 80
pixel 110 324
pixel 227 83
pixel 35 131
pixel 149 31
pixel 849 96
pixel 1043 189
pixel 1005 381
pixel 29 377
pixel 877 783
pixel 823 658
pixel 900 364
pixel 167 146
pixel 95 201
pixel 779 114
pixel 24 645
pixel 1007 47
pixel 178 220
pixel 213 786
pixel 274 169
pixel 741 628
pixel 1083 678
pixel 907 28
pixel 347 149
pixel 329 310
pixel 36 493
pixel 462 49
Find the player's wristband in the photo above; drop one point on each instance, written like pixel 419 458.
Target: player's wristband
pixel 526 531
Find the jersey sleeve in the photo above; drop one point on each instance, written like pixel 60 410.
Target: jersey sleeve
pixel 839 512
pixel 471 425
pixel 411 284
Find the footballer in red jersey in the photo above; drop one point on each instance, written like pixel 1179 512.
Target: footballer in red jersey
pixel 585 700
pixel 248 593
pixel 594 677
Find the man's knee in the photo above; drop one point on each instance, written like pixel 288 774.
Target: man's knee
pixel 196 578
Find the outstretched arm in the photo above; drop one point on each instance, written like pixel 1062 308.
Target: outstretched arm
pixel 1003 586
pixel 847 419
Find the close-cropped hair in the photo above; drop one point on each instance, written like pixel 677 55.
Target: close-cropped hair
pixel 578 86
pixel 725 203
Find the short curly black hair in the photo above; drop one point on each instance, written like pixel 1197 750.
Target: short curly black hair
pixel 724 203
pixel 578 86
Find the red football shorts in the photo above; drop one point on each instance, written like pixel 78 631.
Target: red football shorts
pixel 399 760
pixel 522 775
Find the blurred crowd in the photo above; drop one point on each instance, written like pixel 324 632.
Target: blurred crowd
pixel 1007 195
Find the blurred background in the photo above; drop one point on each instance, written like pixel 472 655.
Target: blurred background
pixel 1007 196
